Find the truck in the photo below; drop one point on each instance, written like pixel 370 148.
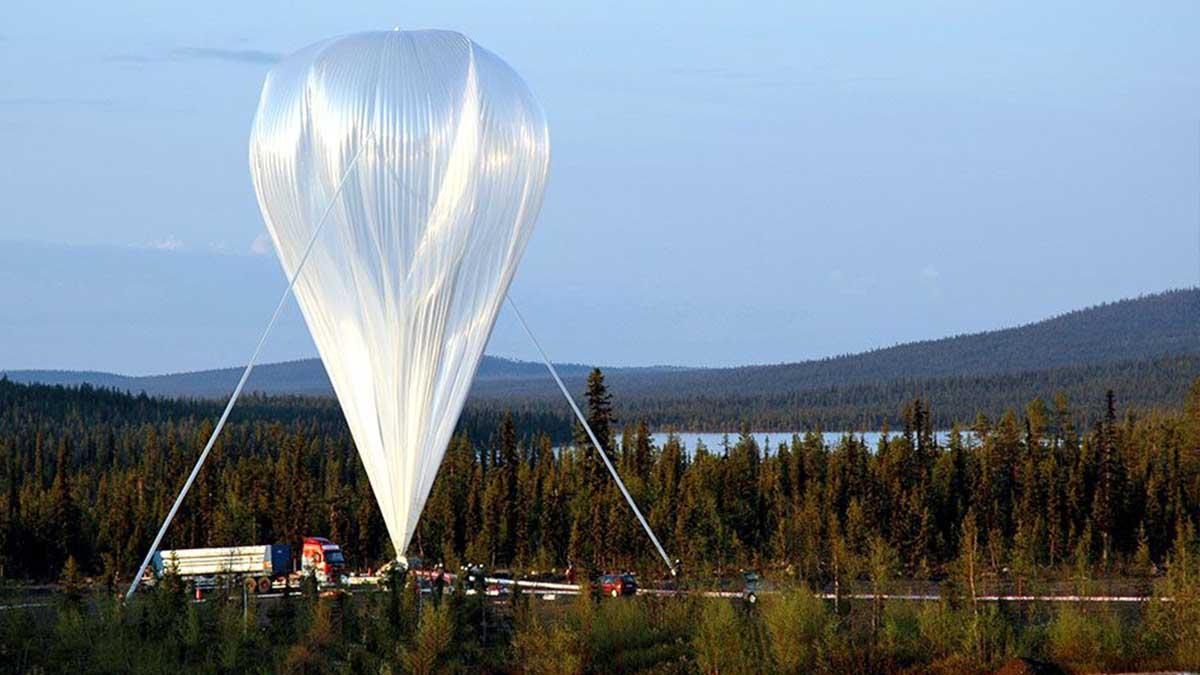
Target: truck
pixel 323 558
pixel 260 568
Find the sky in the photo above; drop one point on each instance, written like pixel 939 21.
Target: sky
pixel 732 183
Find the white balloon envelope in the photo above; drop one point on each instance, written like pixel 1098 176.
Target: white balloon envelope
pixel 421 158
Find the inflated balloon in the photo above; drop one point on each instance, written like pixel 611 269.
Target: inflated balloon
pixel 422 158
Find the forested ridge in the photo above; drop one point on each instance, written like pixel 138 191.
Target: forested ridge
pixel 1145 385
pixel 1138 330
pixel 1147 348
pixel 87 474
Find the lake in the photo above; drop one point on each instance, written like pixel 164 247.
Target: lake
pixel 714 440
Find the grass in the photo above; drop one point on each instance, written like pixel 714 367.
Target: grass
pixel 396 631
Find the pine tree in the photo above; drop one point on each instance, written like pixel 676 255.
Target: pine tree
pixel 487 539
pixel 742 504
pixel 1037 419
pixel 970 560
pixel 842 559
pixel 1106 505
pixel 368 522
pixel 881 565
pixel 923 547
pixel 856 531
pixel 509 528
pixel 667 476
pixel 812 539
pixel 1142 564
pixel 64 521
pixel 643 449
pixel 600 419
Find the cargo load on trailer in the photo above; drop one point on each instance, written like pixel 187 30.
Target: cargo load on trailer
pixel 260 568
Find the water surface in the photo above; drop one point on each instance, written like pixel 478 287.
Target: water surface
pixel 715 441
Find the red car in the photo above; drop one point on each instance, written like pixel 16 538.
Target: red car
pixel 616 585
pixel 496 586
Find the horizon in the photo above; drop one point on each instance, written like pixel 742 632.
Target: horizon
pixel 4 370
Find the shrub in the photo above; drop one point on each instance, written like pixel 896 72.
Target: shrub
pixel 617 628
pixel 1085 640
pixel 943 629
pixel 796 622
pixel 721 643
pixel 542 650
pixel 901 638
pixel 430 643
pixel 1173 626
pixel 989 637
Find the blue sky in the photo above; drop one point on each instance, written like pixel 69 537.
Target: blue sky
pixel 732 183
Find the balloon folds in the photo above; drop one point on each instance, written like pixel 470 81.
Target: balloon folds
pixel 425 157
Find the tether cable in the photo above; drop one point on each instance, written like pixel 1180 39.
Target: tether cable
pixel 592 435
pixel 237 391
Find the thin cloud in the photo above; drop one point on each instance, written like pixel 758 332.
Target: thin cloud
pixel 766 78
pixel 256 57
pixel 850 285
pixel 773 72
pixel 171 243
pixel 58 101
pixel 261 245
pixel 930 278
pixel 716 72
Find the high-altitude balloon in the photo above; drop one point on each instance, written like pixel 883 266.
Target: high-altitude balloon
pixel 425 157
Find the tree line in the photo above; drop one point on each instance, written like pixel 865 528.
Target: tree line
pixel 1034 491
pixel 87 474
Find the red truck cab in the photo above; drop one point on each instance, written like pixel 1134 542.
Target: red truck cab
pixel 322 557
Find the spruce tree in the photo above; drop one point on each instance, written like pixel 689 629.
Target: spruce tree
pixel 600 419
pixel 64 521
pixel 508 508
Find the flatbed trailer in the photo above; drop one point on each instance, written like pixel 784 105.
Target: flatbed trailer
pixel 259 568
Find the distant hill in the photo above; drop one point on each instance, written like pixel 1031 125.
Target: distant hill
pixel 1139 385
pixel 1125 332
pixel 1129 330
pixel 303 377
pixel 1130 340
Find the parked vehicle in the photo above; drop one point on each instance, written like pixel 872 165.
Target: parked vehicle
pixel 323 558
pixel 259 568
pixel 433 581
pixel 616 585
pixel 496 585
pixel 474 579
pixel 753 584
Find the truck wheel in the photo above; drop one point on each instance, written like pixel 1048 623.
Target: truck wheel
pixel 251 585
pixel 264 585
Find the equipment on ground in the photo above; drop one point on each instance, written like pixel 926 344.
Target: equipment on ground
pixel 260 568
